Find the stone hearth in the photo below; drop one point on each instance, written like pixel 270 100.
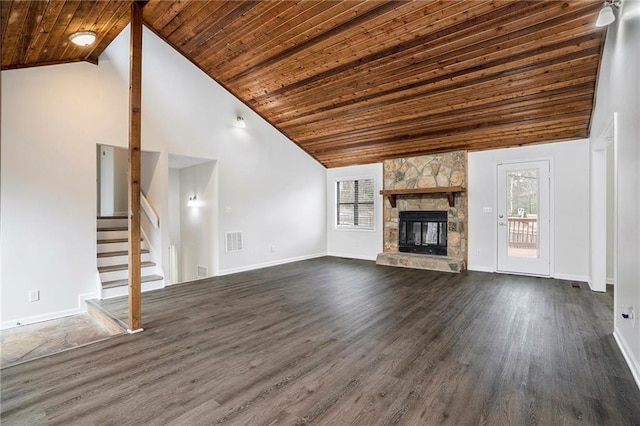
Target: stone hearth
pixel 427 171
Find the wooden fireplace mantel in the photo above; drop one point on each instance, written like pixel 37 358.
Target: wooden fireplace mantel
pixel 450 191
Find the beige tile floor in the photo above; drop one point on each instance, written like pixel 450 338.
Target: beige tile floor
pixel 27 342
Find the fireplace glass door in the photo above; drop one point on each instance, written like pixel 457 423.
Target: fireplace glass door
pixel 423 232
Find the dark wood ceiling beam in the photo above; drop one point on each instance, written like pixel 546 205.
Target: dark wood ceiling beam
pixel 537 58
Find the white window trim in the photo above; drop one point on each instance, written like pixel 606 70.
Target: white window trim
pixel 335 205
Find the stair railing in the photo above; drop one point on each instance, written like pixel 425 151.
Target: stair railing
pixel 149 211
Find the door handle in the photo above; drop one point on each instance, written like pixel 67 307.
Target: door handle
pixel 502 224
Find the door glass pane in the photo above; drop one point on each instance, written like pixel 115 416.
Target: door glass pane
pixel 522 213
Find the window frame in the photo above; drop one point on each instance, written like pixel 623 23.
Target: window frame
pixel 337 204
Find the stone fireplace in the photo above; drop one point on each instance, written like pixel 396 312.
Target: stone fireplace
pixel 422 195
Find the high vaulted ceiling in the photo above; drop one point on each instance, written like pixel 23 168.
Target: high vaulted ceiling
pixel 355 82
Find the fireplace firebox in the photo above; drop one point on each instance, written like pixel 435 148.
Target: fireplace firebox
pixel 423 232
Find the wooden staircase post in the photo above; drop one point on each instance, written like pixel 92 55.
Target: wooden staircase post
pixel 135 104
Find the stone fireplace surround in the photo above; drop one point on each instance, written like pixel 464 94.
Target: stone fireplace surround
pixel 427 171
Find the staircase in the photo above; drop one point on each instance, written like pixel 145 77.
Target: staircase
pixel 113 258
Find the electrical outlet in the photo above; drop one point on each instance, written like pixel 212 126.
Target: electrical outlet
pixel 478 252
pixel 273 249
pixel 34 295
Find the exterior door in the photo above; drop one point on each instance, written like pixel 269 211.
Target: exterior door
pixel 523 218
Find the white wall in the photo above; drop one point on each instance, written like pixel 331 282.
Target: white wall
pixel 48 198
pixel 569 204
pixel 619 91
pixel 358 244
pixel 52 118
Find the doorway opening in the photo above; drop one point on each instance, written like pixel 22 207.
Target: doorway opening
pixel 523 218
pixel 192 219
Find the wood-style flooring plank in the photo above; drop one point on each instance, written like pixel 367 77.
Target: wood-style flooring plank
pixel 332 341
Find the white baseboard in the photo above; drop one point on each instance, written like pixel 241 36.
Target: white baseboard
pixel 353 256
pixel 571 277
pixel 267 264
pixel 478 268
pixel 39 318
pixel 633 363
pixel 611 281
pixel 82 306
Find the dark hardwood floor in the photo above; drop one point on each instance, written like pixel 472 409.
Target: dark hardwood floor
pixel 338 342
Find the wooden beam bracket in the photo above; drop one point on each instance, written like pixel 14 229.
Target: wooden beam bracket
pixel 449 191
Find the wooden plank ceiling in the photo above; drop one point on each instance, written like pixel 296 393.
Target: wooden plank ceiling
pixel 355 82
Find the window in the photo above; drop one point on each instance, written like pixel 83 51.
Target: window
pixel 355 203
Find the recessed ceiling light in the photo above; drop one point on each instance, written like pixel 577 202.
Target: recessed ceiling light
pixel 83 38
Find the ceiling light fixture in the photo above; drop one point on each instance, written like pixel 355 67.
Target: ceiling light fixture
pixel 240 122
pixel 193 201
pixel 606 16
pixel 83 38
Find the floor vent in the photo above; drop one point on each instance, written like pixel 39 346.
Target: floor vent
pixel 203 271
pixel 233 241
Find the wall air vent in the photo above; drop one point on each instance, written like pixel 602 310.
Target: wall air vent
pixel 233 241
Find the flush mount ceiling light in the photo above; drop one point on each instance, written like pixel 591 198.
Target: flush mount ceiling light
pixel 83 38
pixel 606 16
pixel 240 122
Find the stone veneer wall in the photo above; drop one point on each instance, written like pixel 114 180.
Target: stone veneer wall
pixel 428 171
